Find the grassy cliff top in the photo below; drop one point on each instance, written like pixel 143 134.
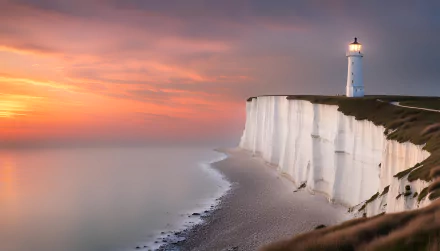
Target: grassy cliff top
pixel 420 127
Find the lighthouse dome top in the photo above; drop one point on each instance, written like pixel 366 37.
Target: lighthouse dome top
pixel 355 41
pixel 355 46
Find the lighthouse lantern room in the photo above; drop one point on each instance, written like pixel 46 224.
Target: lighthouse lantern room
pixel 355 83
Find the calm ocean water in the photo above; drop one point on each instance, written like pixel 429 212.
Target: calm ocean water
pixel 95 199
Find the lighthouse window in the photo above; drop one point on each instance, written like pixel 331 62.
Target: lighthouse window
pixel 352 73
pixel 352 81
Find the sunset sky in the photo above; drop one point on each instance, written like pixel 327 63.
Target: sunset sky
pixel 178 71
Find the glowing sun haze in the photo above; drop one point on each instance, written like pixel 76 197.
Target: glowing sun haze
pixel 109 71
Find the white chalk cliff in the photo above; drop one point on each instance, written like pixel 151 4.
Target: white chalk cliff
pixel 346 159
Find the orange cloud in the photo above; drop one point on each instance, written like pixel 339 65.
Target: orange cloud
pixel 51 84
pixel 27 49
pixel 12 106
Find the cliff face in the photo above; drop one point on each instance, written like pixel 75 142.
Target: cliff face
pixel 348 160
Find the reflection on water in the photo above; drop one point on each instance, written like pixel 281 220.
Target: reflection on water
pixel 97 199
pixel 8 183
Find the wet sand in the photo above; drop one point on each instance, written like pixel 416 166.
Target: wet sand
pixel 260 208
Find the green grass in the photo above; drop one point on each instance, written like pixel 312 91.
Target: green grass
pixel 402 124
pixel 402 174
pixel 372 198
pixel 434 186
pixel 434 195
pixel 385 190
pixel 422 194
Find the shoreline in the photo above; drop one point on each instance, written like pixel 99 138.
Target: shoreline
pixel 260 207
pixel 193 217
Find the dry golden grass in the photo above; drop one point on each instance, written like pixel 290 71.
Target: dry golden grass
pixel 422 194
pixel 410 230
pixel 434 195
pixel 431 129
pixel 435 172
pixel 434 186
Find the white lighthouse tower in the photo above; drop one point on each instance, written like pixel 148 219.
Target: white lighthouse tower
pixel 355 83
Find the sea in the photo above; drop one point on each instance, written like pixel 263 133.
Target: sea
pixel 109 199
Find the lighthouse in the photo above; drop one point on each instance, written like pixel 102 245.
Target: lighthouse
pixel 355 83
